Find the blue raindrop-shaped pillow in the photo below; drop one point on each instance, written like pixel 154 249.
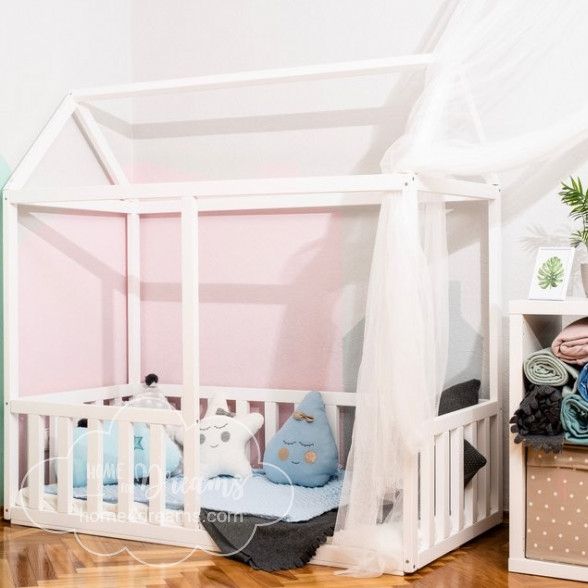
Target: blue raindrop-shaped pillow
pixel 303 451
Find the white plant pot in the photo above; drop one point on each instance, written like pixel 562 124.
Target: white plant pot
pixel 584 275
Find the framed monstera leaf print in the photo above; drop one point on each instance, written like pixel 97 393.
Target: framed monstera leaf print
pixel 551 274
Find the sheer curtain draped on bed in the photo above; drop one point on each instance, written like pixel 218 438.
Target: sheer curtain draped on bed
pixel 499 95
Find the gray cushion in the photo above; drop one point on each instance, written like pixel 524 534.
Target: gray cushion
pixel 459 396
pixel 455 398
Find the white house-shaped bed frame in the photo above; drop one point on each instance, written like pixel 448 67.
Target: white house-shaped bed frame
pixel 439 514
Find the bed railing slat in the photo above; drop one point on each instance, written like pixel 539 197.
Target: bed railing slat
pixel 52 449
pixel 242 407
pixel 482 475
pixel 191 454
pixel 442 485
pixel 35 461
pixel 471 492
pixel 494 465
pixel 271 414
pixel 427 495
pixel 95 465
pixel 332 411
pixel 64 464
pixel 126 443
pixel 157 468
pixel 456 479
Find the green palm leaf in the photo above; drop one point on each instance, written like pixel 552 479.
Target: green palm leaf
pixel 551 273
pixel 574 196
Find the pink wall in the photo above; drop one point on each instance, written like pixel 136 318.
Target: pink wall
pixel 268 287
pixel 269 290
pixel 72 301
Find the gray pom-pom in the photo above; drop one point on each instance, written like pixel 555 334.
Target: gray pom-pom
pixel 151 379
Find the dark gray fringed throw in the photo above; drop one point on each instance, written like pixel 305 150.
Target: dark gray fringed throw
pixel 537 420
pixel 269 547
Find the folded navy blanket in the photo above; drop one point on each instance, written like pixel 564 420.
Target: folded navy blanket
pixel 574 419
pixel 266 544
pixel 537 420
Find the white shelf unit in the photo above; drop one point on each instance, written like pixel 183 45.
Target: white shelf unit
pixel 533 326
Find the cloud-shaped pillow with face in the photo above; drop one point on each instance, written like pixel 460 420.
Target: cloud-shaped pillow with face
pixel 223 439
pixel 109 471
pixel 303 451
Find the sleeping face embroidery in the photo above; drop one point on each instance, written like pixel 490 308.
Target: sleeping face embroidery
pixel 223 437
pixel 304 449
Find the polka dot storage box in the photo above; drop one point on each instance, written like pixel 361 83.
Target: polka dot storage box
pixel 557 505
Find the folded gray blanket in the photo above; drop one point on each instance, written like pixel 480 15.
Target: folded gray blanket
pixel 537 420
pixel 574 419
pixel 543 367
pixel 267 545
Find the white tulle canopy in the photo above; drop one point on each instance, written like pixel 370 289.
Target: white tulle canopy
pixel 499 95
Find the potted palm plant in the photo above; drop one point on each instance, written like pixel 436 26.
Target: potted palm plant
pixel 574 195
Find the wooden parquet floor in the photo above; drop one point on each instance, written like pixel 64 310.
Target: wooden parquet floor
pixel 32 557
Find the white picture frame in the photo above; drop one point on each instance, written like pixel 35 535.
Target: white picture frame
pixel 551 274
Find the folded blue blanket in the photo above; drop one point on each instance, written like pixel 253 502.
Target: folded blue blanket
pixel 574 419
pixel 255 495
pixel 582 383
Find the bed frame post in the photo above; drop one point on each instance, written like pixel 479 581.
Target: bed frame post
pixel 133 297
pixel 115 173
pixel 410 491
pixel 190 358
pixel 495 341
pixel 410 513
pixel 11 422
pixel 25 169
pixel 99 145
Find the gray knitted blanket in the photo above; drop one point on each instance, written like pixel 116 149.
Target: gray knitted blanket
pixel 267 545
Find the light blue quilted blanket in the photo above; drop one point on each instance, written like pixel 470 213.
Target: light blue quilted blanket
pixel 255 495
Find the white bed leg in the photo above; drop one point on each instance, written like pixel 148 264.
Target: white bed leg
pixel 11 349
pixel 410 513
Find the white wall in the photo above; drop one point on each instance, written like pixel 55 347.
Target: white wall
pixel 193 38
pixel 49 48
pixel 187 38
pixel 307 332
pixel 190 38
